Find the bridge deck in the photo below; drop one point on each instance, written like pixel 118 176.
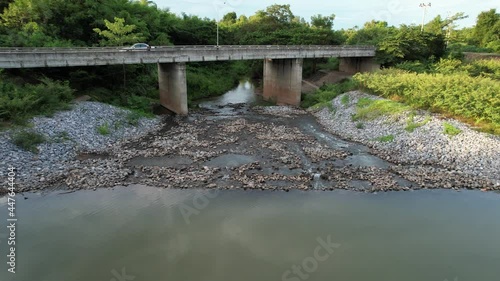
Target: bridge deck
pixel 64 57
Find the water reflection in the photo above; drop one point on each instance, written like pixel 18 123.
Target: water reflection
pixel 244 93
pixel 165 234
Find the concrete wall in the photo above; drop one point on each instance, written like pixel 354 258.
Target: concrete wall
pixel 173 88
pixel 355 65
pixel 62 57
pixel 283 81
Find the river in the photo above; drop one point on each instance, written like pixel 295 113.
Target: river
pixel 147 233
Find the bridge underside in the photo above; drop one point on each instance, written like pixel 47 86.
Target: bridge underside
pixel 282 81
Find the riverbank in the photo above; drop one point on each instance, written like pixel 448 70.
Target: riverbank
pixel 238 146
pixel 429 149
pixel 88 127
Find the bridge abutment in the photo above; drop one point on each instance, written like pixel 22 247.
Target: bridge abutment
pixel 358 64
pixel 283 80
pixel 173 87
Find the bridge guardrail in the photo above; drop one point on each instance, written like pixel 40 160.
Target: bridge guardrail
pixel 180 47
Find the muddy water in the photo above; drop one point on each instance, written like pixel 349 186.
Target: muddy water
pixel 146 233
pixel 168 234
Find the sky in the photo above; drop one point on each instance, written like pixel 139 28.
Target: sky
pixel 348 14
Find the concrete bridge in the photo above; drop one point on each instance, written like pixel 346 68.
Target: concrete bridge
pixel 282 64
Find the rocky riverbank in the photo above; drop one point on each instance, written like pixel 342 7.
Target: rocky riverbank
pixel 69 134
pixel 417 142
pixel 277 148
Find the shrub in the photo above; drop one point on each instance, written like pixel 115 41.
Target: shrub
pixel 327 93
pixel 103 129
pixel 28 140
pixel 475 98
pixel 19 103
pixel 413 66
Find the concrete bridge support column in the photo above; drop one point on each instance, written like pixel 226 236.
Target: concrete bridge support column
pixel 355 65
pixel 173 88
pixel 283 81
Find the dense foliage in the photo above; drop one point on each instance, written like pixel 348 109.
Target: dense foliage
pixel 62 23
pixel 470 93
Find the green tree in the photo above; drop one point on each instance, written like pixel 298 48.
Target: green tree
pixel 487 29
pixel 118 33
pixel 320 21
pixel 147 3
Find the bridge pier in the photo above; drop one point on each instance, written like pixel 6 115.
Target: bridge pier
pixel 358 64
pixel 173 87
pixel 283 81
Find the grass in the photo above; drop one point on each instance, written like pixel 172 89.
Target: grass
pixel 103 129
pixel 62 137
pixel 468 92
pixel 450 130
pixel 133 118
pixel 360 125
pixel 411 125
pixel 28 140
pixel 388 138
pixel 368 109
pixel 345 100
pixel 327 93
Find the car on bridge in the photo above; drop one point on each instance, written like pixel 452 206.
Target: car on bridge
pixel 138 47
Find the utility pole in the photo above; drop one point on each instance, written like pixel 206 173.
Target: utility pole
pixel 218 19
pixel 424 6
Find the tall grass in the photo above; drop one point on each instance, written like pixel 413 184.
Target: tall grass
pixel 459 94
pixel 21 102
pixel 324 95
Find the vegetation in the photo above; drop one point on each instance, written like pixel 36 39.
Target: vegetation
pixel 411 125
pixel 323 96
pixel 28 140
pixel 388 138
pixel 450 130
pixel 18 103
pixel 103 129
pixel 458 93
pixel 345 100
pixel 368 109
pixel 431 73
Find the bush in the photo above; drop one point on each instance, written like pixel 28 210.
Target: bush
pixel 103 129
pixel 475 98
pixel 327 93
pixel 413 66
pixel 19 103
pixel 28 140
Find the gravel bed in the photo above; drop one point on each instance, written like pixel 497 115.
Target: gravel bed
pixel 470 152
pixel 69 133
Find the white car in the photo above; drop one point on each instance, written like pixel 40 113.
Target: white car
pixel 139 46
